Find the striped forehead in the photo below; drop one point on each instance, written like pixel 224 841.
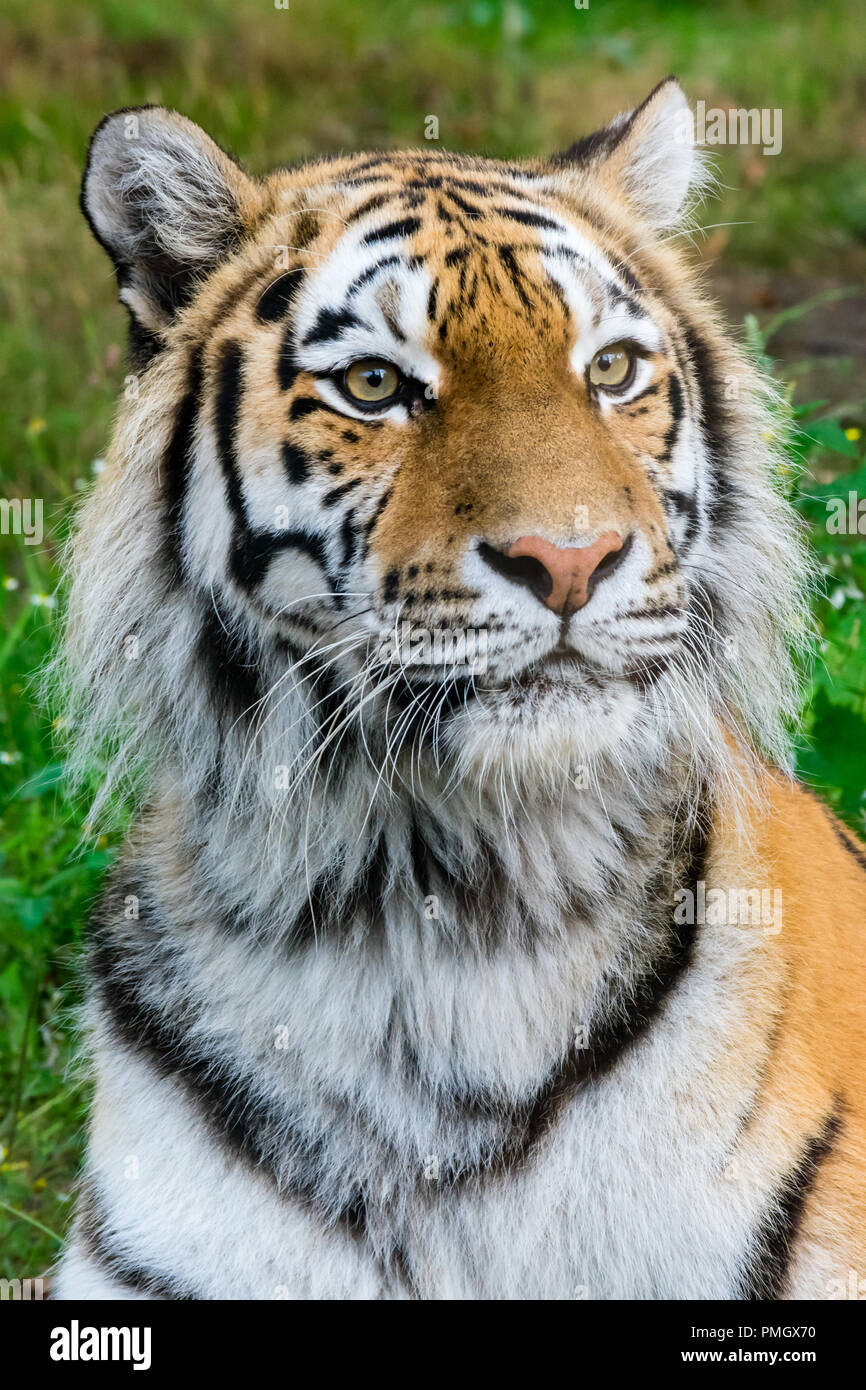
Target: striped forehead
pixel 372 294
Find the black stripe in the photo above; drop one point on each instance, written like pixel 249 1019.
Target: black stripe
pixel 703 613
pixel 229 671
pixel 406 226
pixel 676 407
pixel 373 521
pixel 251 551
pixel 94 1228
pixel 306 405
pixel 630 1017
pixel 684 504
pixel 178 465
pixel 225 1097
pixel 296 463
pixel 530 219
pixel 371 272
pixel 287 363
pixel 509 260
pixel 226 406
pixel 843 834
pixel 349 537
pixel 324 913
pixel 377 200
pixel 469 209
pixel 330 323
pixel 776 1237
pixel 336 494
pixel 715 425
pixel 275 302
pixel 647 391
pixel 251 558
pixel 625 273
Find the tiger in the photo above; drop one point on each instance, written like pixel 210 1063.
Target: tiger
pixel 441 615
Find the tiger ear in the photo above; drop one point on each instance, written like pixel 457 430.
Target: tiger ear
pixel 647 156
pixel 166 204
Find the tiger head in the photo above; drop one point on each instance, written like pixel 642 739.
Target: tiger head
pixel 451 450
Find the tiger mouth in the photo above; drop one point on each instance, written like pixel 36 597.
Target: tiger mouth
pixel 559 670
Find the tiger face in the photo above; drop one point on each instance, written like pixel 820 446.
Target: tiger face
pixel 453 429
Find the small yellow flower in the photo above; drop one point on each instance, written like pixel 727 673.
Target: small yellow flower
pixel 853 433
pixel 43 600
pixel 102 842
pixel 60 722
pixel 40 1185
pixel 36 425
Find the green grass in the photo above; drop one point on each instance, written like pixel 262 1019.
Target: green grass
pixel 278 86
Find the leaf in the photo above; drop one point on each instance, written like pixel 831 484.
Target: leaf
pixel 829 434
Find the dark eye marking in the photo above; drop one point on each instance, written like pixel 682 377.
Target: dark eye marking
pixel 305 405
pixel 275 301
pixel 330 323
pixel 647 391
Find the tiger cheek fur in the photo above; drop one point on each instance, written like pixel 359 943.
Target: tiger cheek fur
pixel 405 984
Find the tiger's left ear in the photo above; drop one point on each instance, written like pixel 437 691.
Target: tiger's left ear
pixel 647 156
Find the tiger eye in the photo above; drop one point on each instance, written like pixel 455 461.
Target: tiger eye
pixel 611 367
pixel 371 380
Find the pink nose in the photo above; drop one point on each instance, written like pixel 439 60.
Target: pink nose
pixel 571 571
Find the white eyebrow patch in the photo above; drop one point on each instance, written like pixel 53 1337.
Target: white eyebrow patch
pixel 368 299
pixel 602 305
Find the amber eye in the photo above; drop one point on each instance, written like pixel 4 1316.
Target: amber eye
pixel 612 367
pixel 371 381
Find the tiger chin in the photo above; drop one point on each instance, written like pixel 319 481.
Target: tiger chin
pixel 440 968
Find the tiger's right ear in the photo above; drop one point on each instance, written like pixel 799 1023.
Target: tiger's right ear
pixel 166 204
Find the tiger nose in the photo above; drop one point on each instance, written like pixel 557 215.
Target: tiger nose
pixel 562 577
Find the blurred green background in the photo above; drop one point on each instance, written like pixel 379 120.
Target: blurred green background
pixel 784 246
